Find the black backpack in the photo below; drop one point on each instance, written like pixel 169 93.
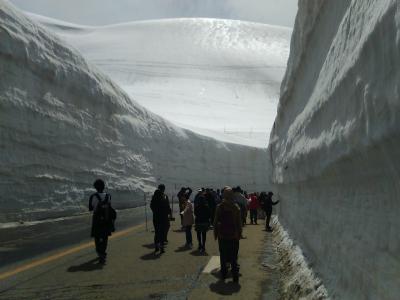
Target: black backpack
pixel 105 215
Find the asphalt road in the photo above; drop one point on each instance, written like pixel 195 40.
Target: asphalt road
pixel 26 242
pixel 133 271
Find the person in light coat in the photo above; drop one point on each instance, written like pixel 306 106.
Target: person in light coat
pixel 188 221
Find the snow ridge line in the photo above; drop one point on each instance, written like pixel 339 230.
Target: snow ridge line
pixel 298 281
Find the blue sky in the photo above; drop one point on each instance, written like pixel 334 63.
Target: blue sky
pixel 102 12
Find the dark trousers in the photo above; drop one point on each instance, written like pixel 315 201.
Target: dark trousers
pixel 228 251
pixel 158 234
pixel 268 219
pixel 212 215
pixel 253 216
pixel 101 245
pixel 201 238
pixel 188 231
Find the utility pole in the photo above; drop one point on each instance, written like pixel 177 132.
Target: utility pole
pixel 145 208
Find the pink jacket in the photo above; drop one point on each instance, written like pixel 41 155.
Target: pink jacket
pixel 187 213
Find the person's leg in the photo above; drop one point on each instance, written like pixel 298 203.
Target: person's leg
pixel 167 225
pixel 101 245
pixel 204 237
pixel 234 257
pixel 105 245
pixel 188 230
pixel 267 227
pixel 157 236
pixel 222 257
pixel 199 239
pixel 190 236
pixel 97 245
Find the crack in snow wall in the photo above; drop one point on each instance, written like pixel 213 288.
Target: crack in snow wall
pixel 335 145
pixel 63 124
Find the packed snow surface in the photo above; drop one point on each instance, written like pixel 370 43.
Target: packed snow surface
pixel 63 123
pixel 216 77
pixel 335 145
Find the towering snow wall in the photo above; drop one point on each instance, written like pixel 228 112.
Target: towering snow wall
pixel 63 124
pixel 335 145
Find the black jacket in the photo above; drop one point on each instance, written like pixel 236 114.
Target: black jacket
pixel 267 203
pixel 202 211
pixel 160 207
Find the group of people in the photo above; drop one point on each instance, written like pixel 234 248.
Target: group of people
pixel 224 211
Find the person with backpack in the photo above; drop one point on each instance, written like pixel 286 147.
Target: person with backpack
pixel 103 219
pixel 161 216
pixel 187 222
pixel 202 214
pixel 266 204
pixel 241 201
pixel 228 230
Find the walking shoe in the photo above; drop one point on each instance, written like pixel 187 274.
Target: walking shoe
pixel 224 275
pixel 235 278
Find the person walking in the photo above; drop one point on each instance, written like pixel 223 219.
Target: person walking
pixel 228 230
pixel 202 214
pixel 212 203
pixel 187 222
pixel 241 201
pixel 161 215
pixel 266 204
pixel 254 205
pixel 103 218
pixel 181 199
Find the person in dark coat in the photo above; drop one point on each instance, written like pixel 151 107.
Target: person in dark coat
pixel 266 204
pixel 228 230
pixel 161 215
pixel 212 204
pixel 202 215
pixel 103 218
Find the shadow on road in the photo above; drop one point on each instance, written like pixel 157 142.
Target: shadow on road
pixel 183 249
pixel 198 253
pixel 88 266
pixel 225 288
pixel 150 256
pixel 149 246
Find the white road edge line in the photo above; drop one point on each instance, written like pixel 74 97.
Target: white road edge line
pixel 212 265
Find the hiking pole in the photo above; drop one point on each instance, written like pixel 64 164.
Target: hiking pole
pixel 145 208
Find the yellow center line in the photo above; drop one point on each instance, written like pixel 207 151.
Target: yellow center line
pixel 61 254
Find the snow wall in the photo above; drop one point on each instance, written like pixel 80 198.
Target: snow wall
pixel 335 145
pixel 63 124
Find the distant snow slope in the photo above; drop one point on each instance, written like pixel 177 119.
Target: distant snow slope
pixel 220 78
pixel 335 146
pixel 63 124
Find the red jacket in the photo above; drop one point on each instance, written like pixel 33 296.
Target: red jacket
pixel 254 203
